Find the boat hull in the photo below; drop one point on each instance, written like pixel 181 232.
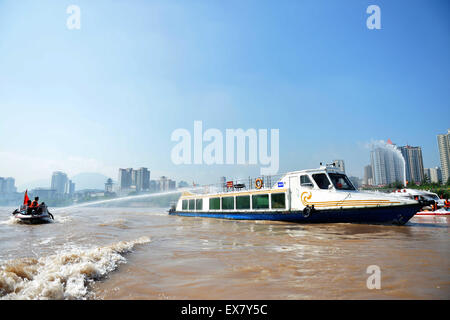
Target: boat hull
pixel 33 219
pixel 382 215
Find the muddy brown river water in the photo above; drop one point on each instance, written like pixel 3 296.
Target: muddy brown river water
pixel 142 253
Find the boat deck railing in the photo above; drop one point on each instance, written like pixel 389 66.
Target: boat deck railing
pixel 242 184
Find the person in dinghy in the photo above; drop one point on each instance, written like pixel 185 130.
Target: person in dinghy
pixel 32 211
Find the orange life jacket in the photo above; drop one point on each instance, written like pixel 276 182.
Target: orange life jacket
pixel 34 204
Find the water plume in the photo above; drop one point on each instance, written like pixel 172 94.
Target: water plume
pixel 123 199
pixel 391 164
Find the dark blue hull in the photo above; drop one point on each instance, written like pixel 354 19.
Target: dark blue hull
pixel 392 215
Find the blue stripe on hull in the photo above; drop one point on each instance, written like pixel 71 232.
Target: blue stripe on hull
pixel 397 215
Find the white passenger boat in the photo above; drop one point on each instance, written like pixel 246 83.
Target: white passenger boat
pixel 418 195
pixel 311 196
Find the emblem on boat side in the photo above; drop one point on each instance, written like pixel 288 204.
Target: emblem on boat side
pixel 305 197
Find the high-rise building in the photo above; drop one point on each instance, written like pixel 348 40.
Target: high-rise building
pixel 434 174
pixel 10 185
pixel 163 184
pixel 172 184
pixel 426 175
pixel 413 163
pixel 70 187
pixel 142 179
pixel 368 177
pixel 138 180
pixel 223 183
pixel 340 164
pixel 7 185
pixel 59 181
pixel 444 153
pixel 134 177
pixel 125 180
pixel 388 165
pixel 154 186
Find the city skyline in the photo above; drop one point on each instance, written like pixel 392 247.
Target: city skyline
pixel 373 174
pixel 339 163
pixel 108 102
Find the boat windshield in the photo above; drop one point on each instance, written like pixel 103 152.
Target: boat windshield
pixel 321 180
pixel 434 196
pixel 340 181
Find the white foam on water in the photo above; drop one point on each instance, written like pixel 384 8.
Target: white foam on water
pixel 64 275
pixel 118 223
pixel 11 220
pixel 62 219
pixel 46 241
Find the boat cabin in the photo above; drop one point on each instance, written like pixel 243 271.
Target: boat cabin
pixel 291 191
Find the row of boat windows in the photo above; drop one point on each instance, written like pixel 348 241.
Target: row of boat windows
pixel 260 201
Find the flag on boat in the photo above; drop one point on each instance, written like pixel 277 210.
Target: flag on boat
pixel 25 198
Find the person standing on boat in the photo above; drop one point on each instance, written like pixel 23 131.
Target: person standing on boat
pixel 446 204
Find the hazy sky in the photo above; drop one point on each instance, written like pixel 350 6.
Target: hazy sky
pixel 110 94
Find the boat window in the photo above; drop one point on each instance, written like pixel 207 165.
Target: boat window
pixel 214 204
pixel 260 201
pixel 192 204
pixel 243 202
pixel 278 200
pixel 228 203
pixel 341 182
pixel 321 180
pixel 305 181
pixel 184 205
pixel 199 204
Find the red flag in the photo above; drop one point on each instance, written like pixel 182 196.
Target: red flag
pixel 25 198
